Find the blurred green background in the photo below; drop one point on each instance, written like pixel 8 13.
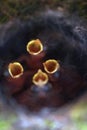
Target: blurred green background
pixel 23 9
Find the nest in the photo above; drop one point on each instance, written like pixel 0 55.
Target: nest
pixel 64 41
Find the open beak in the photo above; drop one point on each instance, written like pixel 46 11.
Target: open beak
pixel 34 47
pixel 15 69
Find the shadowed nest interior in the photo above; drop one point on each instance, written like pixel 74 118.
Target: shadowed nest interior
pixel 64 41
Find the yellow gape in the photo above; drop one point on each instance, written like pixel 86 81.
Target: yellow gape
pixel 51 66
pixel 15 69
pixel 40 78
pixel 34 47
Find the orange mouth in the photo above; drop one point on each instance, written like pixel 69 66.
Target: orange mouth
pixel 51 66
pixel 40 78
pixel 15 69
pixel 34 47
